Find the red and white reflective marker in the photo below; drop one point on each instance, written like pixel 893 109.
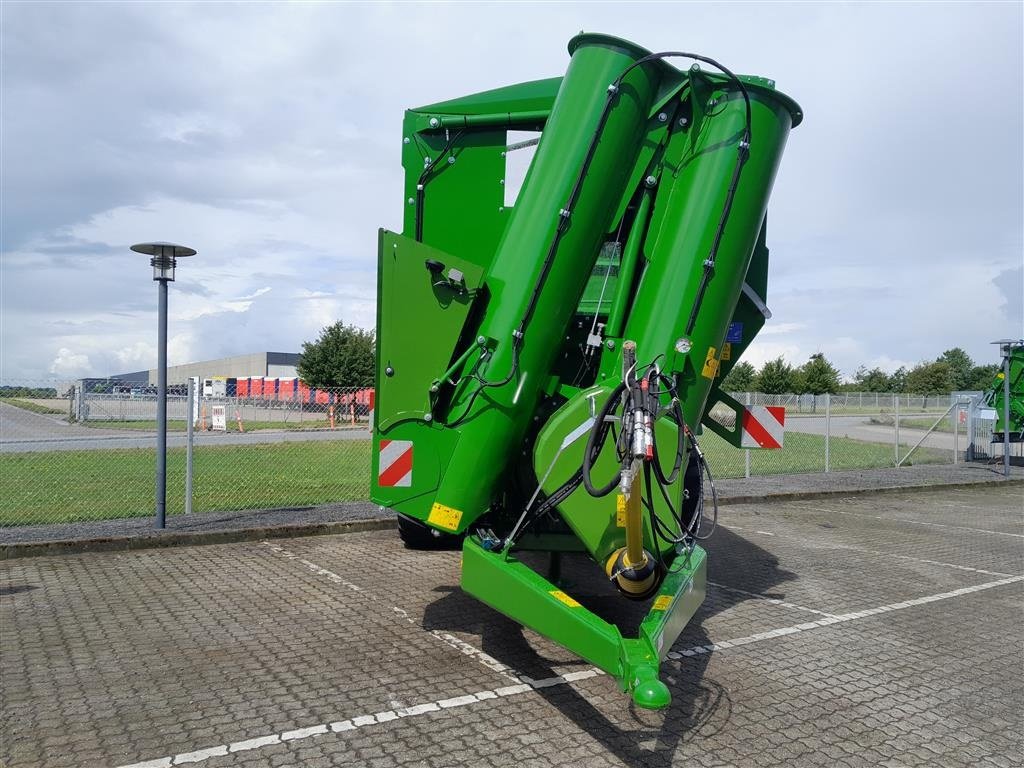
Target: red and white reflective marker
pixel 763 426
pixel 395 468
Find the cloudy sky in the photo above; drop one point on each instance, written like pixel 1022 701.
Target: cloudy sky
pixel 267 136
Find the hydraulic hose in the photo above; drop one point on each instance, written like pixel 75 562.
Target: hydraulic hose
pixel 595 442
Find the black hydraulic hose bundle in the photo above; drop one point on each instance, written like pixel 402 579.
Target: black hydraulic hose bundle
pixel 689 530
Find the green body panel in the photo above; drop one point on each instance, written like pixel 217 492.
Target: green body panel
pixel 432 446
pixel 532 96
pixel 493 384
pixel 468 226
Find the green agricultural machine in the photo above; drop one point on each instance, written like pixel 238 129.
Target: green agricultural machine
pixel 996 394
pixel 545 365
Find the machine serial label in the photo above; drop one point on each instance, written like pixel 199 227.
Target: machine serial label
pixel 710 365
pixel 444 517
pixel 663 603
pixel 561 597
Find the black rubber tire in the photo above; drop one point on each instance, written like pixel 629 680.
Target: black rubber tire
pixel 416 535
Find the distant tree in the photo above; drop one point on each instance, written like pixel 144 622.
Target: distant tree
pixel 740 378
pixel 775 377
pixel 960 365
pixel 898 380
pixel 981 377
pixel 797 381
pixel 875 380
pixel 342 356
pixel 819 376
pixel 930 379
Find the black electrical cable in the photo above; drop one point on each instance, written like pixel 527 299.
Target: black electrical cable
pixel 677 417
pixel 484 385
pixel 595 442
pixel 698 517
pixel 421 182
pixel 709 263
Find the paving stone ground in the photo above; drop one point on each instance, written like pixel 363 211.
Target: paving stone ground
pixel 868 630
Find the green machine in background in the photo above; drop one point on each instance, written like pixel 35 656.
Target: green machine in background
pixel 544 365
pixel 1006 393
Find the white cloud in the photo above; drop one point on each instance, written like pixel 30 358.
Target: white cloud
pixel 68 363
pixel 277 160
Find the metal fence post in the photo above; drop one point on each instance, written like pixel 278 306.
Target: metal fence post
pixel 896 431
pixel 828 430
pixel 746 452
pixel 956 430
pixel 190 418
pixel 1006 410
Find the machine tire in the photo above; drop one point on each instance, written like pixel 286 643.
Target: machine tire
pixel 416 535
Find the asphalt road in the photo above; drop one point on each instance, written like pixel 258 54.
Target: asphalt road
pixel 22 431
pixel 861 428
pixel 873 630
pixel 18 425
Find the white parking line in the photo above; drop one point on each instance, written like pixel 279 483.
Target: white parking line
pixel 910 522
pixel 765 598
pixel 360 721
pixel 771 634
pixel 460 645
pixel 737 528
pixel 367 720
pixel 884 554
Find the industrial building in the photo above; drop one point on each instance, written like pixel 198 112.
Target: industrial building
pixel 269 364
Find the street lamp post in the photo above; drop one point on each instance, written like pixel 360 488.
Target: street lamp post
pixel 164 259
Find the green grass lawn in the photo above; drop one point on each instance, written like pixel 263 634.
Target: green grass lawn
pixel 28 405
pixel 180 425
pixel 65 486
pixel 806 453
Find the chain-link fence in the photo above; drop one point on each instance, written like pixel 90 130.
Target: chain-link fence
pixel 73 453
pixel 846 431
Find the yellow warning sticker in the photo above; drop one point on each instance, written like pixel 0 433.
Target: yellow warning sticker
pixel 663 603
pixel 561 597
pixel 620 511
pixel 726 351
pixel 444 517
pixel 710 364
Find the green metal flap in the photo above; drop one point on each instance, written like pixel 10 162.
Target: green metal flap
pixel 421 319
